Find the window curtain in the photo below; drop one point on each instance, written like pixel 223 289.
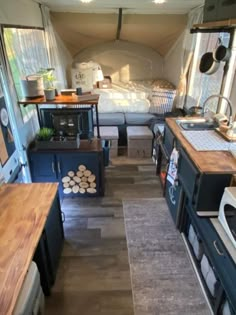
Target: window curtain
pixel 195 16
pixel 10 80
pixel 14 110
pixel 26 52
pixel 55 59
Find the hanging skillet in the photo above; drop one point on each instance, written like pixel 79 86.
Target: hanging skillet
pixel 207 64
pixel 222 53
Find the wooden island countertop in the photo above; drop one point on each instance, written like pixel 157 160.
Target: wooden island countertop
pixel 221 162
pixel 23 213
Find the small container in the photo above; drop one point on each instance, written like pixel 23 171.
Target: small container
pixel 79 91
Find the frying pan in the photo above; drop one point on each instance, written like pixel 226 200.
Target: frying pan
pixel 207 64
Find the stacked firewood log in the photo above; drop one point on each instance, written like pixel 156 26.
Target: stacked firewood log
pixel 81 181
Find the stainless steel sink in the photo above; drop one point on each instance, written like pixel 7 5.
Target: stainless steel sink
pixel 196 124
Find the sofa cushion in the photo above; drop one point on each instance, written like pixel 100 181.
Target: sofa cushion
pixel 110 119
pixel 139 119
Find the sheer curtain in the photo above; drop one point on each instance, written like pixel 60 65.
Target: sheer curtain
pixel 55 59
pixel 26 52
pixel 195 16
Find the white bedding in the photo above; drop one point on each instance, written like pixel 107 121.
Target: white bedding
pixel 134 97
pixel 121 99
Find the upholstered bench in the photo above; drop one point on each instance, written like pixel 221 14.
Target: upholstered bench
pixel 139 141
pixel 111 134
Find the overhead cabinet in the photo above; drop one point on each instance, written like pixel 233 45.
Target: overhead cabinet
pixel 219 10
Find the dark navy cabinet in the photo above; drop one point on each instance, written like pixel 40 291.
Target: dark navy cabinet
pixel 54 235
pixel 54 165
pixel 210 245
pixel 174 198
pixel 43 167
pixel 50 246
pixel 203 190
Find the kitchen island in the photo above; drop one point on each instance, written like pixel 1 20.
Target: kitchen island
pixel 25 210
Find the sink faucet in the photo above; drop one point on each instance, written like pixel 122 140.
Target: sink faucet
pixel 220 96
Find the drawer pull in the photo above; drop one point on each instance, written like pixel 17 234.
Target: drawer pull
pixel 59 167
pixel 63 217
pixel 217 249
pixel 53 167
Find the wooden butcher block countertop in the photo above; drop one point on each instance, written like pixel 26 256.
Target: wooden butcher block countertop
pixel 222 162
pixel 23 212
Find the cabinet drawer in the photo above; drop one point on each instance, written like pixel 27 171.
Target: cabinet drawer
pixel 187 174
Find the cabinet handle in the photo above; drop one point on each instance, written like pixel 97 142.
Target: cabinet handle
pixel 59 167
pixel 53 167
pixel 217 249
pixel 63 217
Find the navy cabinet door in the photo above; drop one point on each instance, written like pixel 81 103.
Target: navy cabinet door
pixel 70 162
pixel 54 237
pixel 43 167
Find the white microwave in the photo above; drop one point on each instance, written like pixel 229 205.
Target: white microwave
pixel 227 213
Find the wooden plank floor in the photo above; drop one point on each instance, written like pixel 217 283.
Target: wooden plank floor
pixel 94 275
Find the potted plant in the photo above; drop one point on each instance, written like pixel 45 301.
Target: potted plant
pixel 43 138
pixel 48 82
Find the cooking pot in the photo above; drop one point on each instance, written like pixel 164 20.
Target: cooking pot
pixel 222 53
pixel 32 86
pixel 207 64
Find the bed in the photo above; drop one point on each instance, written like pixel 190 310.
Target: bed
pixel 150 98
pixel 136 103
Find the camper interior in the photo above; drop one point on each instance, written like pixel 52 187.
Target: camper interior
pixel 117 157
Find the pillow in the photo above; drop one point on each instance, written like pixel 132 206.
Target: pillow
pixel 162 84
pixel 161 101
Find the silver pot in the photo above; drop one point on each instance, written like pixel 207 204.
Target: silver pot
pixel 207 64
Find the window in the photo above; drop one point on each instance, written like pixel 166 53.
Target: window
pixel 201 85
pixel 27 53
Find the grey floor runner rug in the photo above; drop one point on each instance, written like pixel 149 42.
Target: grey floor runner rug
pixel 163 280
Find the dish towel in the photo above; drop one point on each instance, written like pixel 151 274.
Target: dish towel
pixel 173 167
